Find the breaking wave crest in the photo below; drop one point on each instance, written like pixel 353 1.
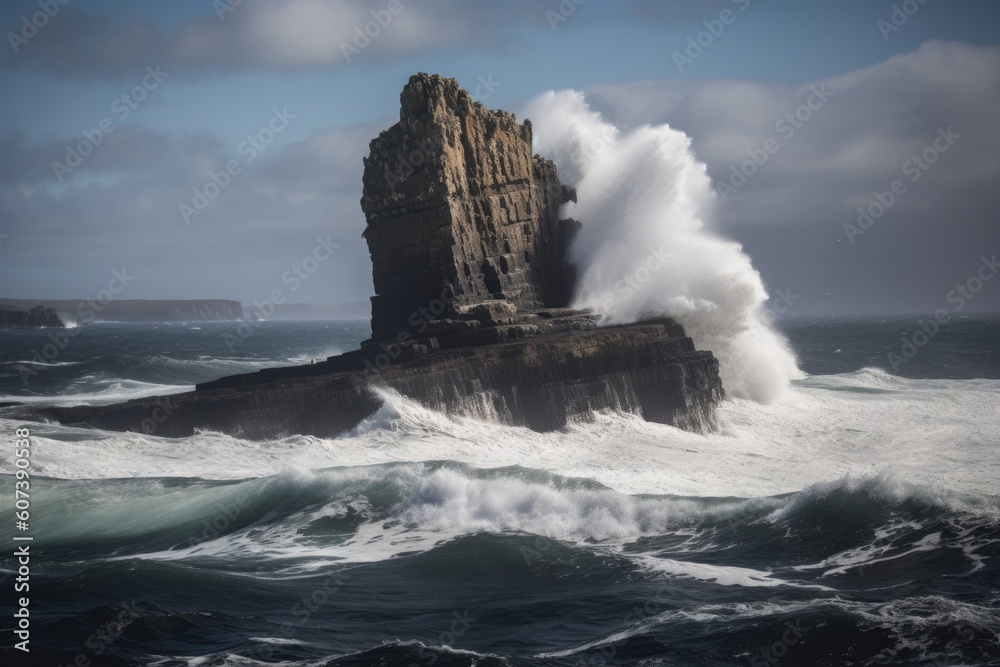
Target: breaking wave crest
pixel 645 249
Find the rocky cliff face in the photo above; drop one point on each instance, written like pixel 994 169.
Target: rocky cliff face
pixel 469 262
pixel 456 203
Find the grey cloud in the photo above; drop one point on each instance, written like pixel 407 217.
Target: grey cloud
pixel 82 43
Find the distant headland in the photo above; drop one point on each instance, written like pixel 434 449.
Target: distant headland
pixel 87 311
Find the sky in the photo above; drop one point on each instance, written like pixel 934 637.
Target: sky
pixel 870 130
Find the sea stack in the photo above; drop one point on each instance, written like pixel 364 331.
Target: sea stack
pixel 470 317
pixel 454 198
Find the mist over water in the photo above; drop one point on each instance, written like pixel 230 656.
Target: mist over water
pixel 645 248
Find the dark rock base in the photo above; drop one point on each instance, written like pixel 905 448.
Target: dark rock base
pixel 536 374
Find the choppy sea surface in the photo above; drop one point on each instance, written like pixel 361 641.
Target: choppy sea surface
pixel 854 521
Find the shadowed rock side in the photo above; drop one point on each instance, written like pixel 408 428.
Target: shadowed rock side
pixel 469 265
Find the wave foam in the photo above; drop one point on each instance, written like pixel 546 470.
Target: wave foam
pixel 644 248
pixel 926 432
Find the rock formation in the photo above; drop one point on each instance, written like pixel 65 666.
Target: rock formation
pixel 35 316
pixel 471 279
pixel 454 198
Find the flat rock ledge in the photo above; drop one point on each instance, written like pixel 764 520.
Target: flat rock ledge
pixel 539 371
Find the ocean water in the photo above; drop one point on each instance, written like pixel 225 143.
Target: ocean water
pixel 856 520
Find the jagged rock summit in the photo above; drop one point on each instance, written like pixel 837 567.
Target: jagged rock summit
pixel 469 262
